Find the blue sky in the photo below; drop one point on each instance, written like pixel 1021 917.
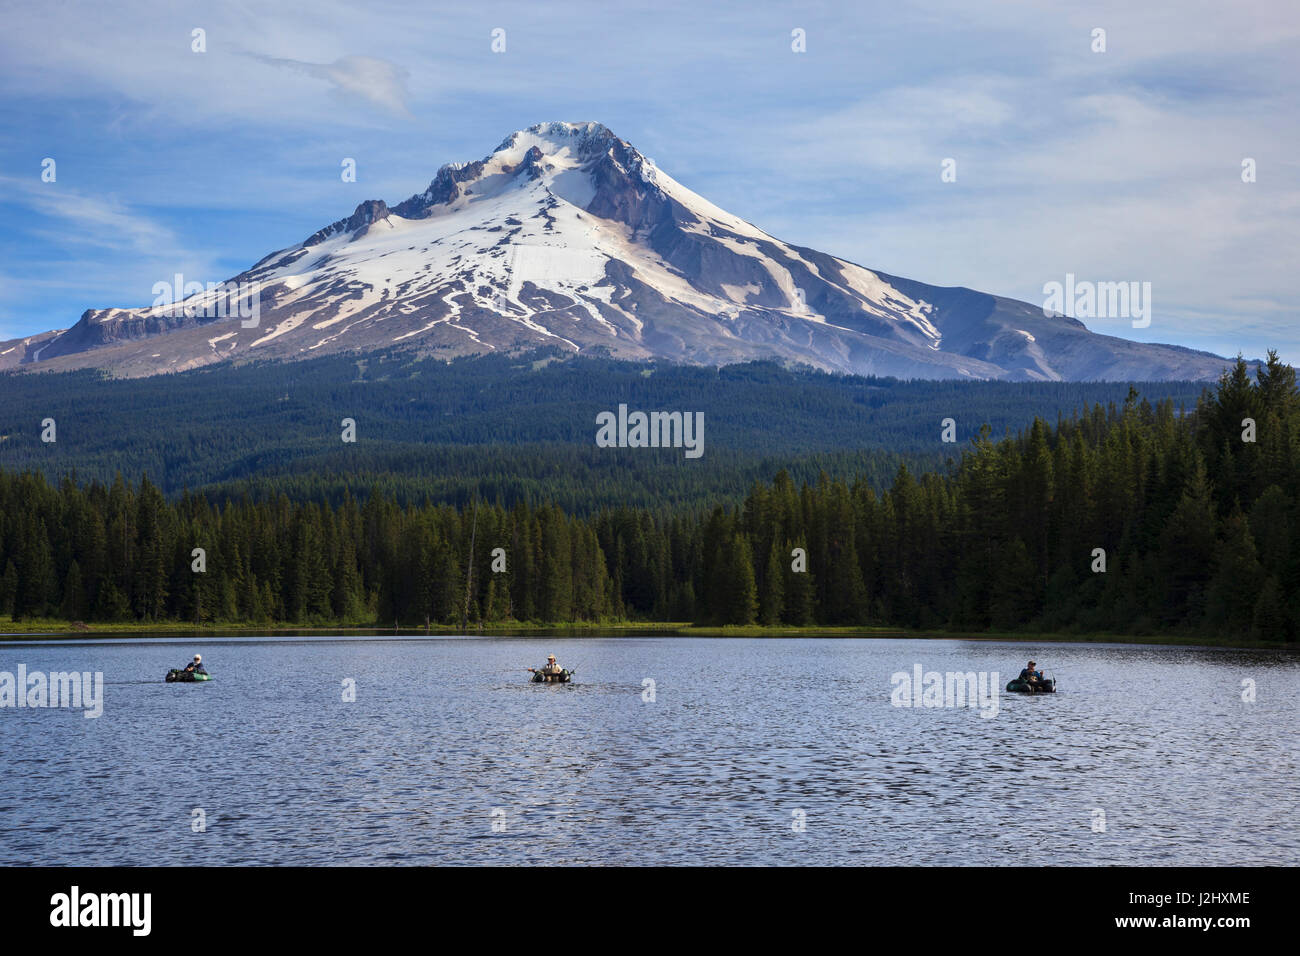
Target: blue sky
pixel 1115 166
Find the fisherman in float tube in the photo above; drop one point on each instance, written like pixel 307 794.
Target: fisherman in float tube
pixel 1032 676
pixel 195 666
pixel 552 669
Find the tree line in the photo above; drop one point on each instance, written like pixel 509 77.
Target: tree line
pixel 509 428
pixel 1127 517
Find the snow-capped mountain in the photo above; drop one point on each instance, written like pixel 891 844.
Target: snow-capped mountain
pixel 565 235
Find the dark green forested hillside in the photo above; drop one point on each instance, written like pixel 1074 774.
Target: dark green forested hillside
pixel 507 429
pixel 1195 522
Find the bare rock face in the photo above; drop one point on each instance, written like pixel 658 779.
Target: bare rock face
pixel 370 211
pixel 566 235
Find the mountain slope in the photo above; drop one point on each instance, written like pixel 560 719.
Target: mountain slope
pixel 565 235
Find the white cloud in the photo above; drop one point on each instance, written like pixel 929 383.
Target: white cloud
pixel 94 220
pixel 365 77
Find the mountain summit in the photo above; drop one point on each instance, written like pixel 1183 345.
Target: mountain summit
pixel 566 235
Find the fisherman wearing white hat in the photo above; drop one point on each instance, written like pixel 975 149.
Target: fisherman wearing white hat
pixel 552 669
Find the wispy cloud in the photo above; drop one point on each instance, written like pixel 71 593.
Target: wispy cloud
pixel 366 78
pixel 74 247
pixel 83 219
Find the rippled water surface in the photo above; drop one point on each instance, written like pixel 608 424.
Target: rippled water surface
pixel 447 738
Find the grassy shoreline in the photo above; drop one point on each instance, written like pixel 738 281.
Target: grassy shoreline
pixel 45 627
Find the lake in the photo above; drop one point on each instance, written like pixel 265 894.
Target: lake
pixel 743 751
